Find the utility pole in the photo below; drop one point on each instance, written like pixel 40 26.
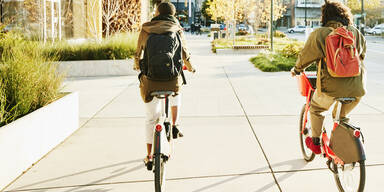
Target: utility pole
pixel 1 11
pixel 190 11
pixel 305 12
pixel 271 25
pixel 177 8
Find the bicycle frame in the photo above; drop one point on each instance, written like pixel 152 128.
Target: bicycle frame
pixel 308 92
pixel 161 145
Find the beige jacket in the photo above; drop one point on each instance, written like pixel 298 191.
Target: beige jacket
pixel 314 51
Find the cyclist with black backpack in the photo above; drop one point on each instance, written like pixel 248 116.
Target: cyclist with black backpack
pixel 160 56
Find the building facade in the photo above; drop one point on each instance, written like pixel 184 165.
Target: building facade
pixel 302 12
pixel 66 19
pixel 188 11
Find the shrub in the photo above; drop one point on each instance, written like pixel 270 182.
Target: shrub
pixel 122 46
pixel 274 62
pixel 242 33
pixel 28 79
pixel 279 34
pixel 270 62
pixel 293 49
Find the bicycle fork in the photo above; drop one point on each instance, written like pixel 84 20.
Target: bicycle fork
pixel 161 145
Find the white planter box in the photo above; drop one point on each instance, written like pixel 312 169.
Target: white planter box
pixel 95 68
pixel 26 140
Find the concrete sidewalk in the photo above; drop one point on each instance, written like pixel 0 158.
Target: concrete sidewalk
pixel 241 134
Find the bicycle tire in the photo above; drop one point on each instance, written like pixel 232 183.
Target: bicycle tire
pixel 159 173
pixel 361 184
pixel 307 153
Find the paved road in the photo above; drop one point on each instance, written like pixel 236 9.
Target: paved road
pixel 241 135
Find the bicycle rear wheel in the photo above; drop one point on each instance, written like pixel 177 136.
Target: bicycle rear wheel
pixel 307 153
pixel 350 177
pixel 159 173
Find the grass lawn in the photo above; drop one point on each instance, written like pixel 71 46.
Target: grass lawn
pixel 283 58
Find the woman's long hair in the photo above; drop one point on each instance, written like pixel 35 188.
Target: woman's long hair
pixel 336 11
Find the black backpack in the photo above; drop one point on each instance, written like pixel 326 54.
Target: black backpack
pixel 162 57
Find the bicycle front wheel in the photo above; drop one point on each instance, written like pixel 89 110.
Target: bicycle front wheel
pixel 350 177
pixel 159 173
pixel 307 153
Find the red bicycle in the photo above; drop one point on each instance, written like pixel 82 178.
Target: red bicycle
pixel 343 149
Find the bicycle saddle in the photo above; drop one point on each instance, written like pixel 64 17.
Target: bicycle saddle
pixel 162 93
pixel 345 100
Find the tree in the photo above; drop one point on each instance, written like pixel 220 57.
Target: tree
pixel 355 5
pixel 264 10
pixel 124 16
pixel 373 9
pixel 254 11
pixel 111 9
pixel 226 9
pixel 258 12
pixel 204 10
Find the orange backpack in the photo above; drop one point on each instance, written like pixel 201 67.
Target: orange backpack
pixel 341 54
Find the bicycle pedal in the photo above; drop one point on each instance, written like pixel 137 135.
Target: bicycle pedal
pixel 165 158
pixel 149 165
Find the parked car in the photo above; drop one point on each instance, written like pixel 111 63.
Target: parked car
pixel 378 29
pixel 187 28
pixel 242 27
pixel 223 27
pixel 297 29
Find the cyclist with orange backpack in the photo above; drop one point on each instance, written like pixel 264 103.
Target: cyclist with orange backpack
pixel 339 49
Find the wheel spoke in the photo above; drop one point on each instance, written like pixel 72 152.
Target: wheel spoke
pixel 307 153
pixel 350 177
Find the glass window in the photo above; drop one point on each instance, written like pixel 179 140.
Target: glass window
pixel 27 16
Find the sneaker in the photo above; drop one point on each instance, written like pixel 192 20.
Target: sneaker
pixel 313 144
pixel 176 133
pixel 148 162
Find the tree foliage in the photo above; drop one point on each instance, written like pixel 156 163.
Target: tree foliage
pixel 204 11
pixel 355 5
pixel 372 8
pixel 258 10
pixel 226 9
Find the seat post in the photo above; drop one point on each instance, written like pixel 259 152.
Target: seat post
pixel 166 105
pixel 338 111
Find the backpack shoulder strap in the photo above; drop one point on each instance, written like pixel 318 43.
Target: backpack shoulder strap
pixel 178 37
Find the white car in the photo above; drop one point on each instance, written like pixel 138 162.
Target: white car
pixel 378 29
pixel 297 28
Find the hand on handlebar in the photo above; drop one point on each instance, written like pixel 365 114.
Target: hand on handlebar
pixel 190 70
pixel 294 72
